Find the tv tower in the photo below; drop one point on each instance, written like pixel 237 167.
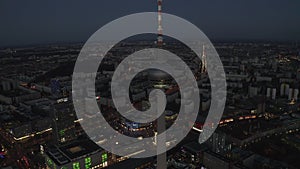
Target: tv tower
pixel 159 35
pixel 204 61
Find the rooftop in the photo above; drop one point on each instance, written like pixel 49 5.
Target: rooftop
pixel 67 153
pixel 195 147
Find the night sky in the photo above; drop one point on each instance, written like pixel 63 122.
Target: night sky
pixel 25 22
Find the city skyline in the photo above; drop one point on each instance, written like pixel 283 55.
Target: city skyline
pixel 161 84
pixel 34 22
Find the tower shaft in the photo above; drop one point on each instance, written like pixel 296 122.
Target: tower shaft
pixel 159 34
pixel 204 61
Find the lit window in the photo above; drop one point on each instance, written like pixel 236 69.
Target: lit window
pixel 104 160
pixel 49 161
pixel 76 165
pixel 88 162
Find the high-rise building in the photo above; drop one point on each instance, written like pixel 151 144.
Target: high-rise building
pixel 217 143
pixel 290 96
pixel 8 84
pixel 253 90
pixel 63 122
pixel 284 89
pixel 274 93
pixel 296 93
